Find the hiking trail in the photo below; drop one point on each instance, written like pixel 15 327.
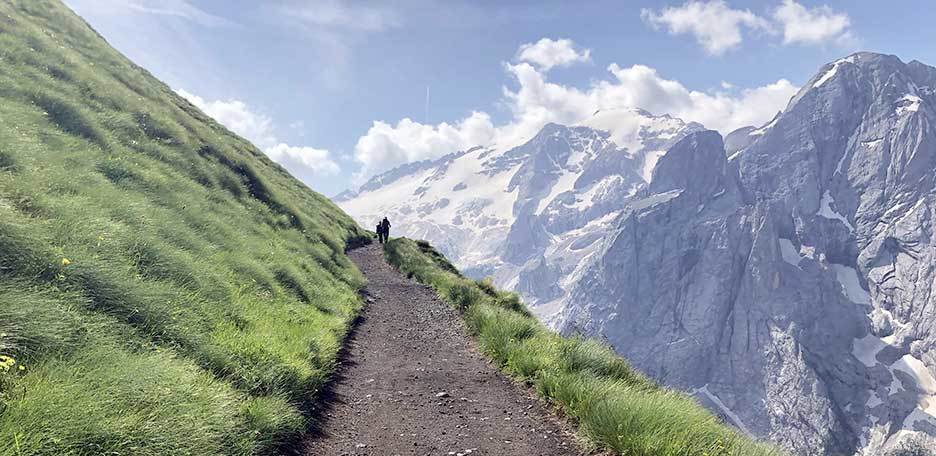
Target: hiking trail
pixel 413 382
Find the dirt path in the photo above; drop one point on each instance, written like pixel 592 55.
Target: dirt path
pixel 413 383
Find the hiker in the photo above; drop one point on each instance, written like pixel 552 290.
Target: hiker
pixel 385 229
pixel 380 232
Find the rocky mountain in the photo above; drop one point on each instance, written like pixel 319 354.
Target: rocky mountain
pixel 782 275
pixel 527 215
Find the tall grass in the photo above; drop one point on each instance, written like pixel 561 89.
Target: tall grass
pixel 164 287
pixel 616 407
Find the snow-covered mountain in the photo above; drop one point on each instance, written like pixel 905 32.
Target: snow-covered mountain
pixel 528 215
pixel 784 276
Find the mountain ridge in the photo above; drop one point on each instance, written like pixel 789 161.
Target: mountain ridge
pixel 821 204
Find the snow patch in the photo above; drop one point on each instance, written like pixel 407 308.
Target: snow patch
pixel 829 74
pixel 873 401
pixel 872 143
pixel 825 77
pixel 825 210
pixel 564 183
pixel 735 419
pixel 807 251
pixel 789 253
pixel 628 126
pixel 657 198
pixel 925 383
pixel 599 190
pixel 760 131
pixel 866 348
pixel 838 167
pixel 912 366
pixel 848 278
pixel 649 164
pixel 907 104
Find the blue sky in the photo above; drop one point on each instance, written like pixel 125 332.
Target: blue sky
pixel 336 90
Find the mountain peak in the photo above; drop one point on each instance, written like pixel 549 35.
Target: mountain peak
pixel 874 64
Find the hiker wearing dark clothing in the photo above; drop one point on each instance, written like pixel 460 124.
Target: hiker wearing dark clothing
pixel 380 232
pixel 385 229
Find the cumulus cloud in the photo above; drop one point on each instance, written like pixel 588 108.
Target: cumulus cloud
pixel 315 161
pixel 812 26
pixel 236 116
pixel 719 28
pixel 259 129
pixel 386 145
pixel 548 53
pixel 536 100
pixel 715 25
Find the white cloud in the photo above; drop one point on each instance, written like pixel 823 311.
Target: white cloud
pixel 316 161
pixel 257 128
pixel 537 101
pixel 812 26
pixel 715 25
pixel 548 53
pixel 235 115
pixel 385 145
pixel 719 28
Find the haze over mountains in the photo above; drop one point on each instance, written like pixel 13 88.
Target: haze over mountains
pixel 782 274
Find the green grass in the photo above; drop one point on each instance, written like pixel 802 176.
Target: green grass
pixel 164 287
pixel 615 407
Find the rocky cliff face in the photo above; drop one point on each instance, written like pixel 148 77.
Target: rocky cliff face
pixel 789 288
pixel 782 276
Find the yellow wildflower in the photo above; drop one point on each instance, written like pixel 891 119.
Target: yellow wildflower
pixel 66 262
pixel 22 367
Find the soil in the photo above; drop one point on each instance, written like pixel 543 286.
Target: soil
pixel 412 382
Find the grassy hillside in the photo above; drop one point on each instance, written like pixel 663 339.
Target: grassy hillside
pixel 615 407
pixel 164 287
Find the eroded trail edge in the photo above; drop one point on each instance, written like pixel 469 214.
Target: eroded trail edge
pixel 412 382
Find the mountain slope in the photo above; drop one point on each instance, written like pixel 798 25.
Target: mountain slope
pixel 525 215
pixel 164 287
pixel 796 299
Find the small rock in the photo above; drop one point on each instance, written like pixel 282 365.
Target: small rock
pixel 442 394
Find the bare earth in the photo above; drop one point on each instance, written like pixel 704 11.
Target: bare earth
pixel 412 382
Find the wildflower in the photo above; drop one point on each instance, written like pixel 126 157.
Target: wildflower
pixel 66 262
pixel 22 367
pixel 6 362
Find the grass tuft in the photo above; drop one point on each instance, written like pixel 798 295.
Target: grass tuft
pixel 70 118
pixel 165 288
